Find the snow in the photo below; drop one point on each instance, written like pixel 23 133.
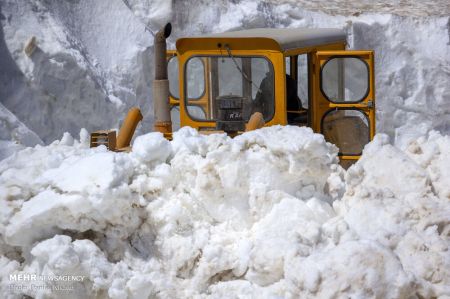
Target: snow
pixel 91 59
pixel 403 8
pixel 154 14
pixel 267 214
pixel 14 135
pixel 151 148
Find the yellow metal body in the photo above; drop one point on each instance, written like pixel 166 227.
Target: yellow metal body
pixel 129 125
pixel 320 105
pixel 269 49
pixel 256 121
pixel 121 142
pixel 104 137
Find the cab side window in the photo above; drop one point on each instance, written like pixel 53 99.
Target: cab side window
pixel 302 79
pixel 297 89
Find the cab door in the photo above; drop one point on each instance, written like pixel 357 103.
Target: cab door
pixel 197 102
pixel 344 100
pixel 174 88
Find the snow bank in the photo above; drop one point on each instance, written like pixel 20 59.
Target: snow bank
pixel 267 214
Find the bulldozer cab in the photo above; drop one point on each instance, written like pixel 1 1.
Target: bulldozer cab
pixel 301 77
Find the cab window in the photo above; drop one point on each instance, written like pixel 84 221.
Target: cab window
pixel 297 90
pixel 248 80
pixel 345 79
pixel 302 79
pixel 172 70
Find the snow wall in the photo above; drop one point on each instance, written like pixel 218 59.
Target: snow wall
pixel 94 58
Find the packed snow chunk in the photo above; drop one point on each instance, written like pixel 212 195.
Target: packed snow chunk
pixel 292 226
pixel 190 140
pixel 67 139
pixel 7 267
pixel 351 270
pixel 403 177
pixel 84 137
pixel 98 171
pixel 433 154
pixel 59 188
pixel 152 147
pixel 222 173
pixel 37 217
pixel 390 200
pixel 81 259
pixel 48 213
pixel 90 273
pixel 426 255
pixel 237 289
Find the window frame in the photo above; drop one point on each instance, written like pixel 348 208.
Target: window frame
pixel 204 80
pixel 186 100
pixel 341 154
pixel 344 102
pixel 170 92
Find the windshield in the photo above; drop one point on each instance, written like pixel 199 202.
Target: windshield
pixel 209 80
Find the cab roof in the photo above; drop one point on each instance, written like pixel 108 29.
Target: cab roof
pixel 285 38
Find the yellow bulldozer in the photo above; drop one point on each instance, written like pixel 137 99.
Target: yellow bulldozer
pixel 238 81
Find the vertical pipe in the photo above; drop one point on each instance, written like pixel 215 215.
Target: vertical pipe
pixel 247 87
pixel 214 85
pixel 294 68
pixel 311 73
pixel 341 78
pixel 161 105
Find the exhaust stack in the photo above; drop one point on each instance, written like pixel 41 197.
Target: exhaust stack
pixel 161 105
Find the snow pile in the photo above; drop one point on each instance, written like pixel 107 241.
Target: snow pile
pixel 267 214
pixel 392 199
